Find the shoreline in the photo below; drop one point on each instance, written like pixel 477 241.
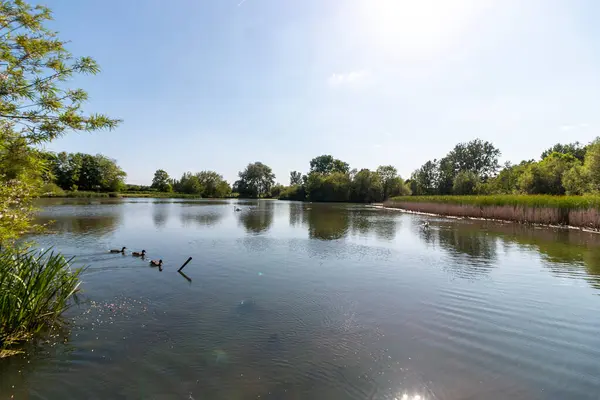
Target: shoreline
pixel 388 206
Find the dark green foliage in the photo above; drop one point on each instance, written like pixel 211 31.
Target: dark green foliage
pixel 592 165
pixel 366 187
pixel 465 183
pixel 476 156
pixel 276 191
pixel 335 186
pixel 255 181
pixel 162 181
pixel 213 184
pixel 326 164
pixel 295 178
pixel 189 184
pixel 294 192
pixel 424 181
pixel 86 172
pixel 576 149
pixel 575 180
pixel 545 177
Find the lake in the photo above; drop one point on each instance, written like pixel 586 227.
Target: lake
pixel 287 300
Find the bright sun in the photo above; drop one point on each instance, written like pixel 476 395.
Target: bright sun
pixel 415 26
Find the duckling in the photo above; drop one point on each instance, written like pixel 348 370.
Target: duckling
pixel 138 254
pixel 155 263
pixel 119 251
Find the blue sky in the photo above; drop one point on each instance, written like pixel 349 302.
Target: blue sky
pixel 218 84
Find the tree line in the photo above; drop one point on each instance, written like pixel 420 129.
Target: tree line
pixel 79 171
pixel 469 168
pixel 473 168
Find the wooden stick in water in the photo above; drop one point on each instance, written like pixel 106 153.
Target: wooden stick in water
pixel 185 276
pixel 184 264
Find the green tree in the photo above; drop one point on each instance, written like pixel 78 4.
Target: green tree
pixel 576 149
pixel 390 180
pixel 276 190
pixel 592 165
pixel 506 181
pixel 161 181
pixel 424 181
pixel 477 156
pixel 335 186
pixel 465 183
pixel 575 180
pixel 546 176
pixel 326 164
pixel 367 187
pixel 86 172
pixel 37 104
pixel 295 178
pixel 189 184
pixel 255 180
pixel 213 183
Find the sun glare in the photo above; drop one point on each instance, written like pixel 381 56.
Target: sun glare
pixel 415 26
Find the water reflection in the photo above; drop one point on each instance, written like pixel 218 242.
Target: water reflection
pixel 256 217
pixel 160 214
pixel 98 224
pixel 326 222
pixel 567 252
pixel 201 215
pixel 472 251
pixel 296 210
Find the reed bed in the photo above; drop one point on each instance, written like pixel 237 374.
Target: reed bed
pixel 579 211
pixel 35 289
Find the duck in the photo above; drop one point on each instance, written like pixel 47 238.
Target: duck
pixel 119 251
pixel 155 263
pixel 138 254
pixel 237 209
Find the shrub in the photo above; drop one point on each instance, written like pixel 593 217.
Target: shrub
pixel 51 190
pixel 35 289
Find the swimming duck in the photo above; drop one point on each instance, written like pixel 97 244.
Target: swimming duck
pixel 236 209
pixel 155 263
pixel 138 254
pixel 119 251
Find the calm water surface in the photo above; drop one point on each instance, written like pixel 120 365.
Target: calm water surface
pixel 312 301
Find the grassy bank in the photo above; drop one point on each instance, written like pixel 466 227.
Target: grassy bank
pixel 87 195
pixel 160 195
pixel 566 202
pixel 35 289
pixel 580 211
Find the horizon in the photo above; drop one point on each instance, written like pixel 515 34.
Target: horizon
pixel 395 83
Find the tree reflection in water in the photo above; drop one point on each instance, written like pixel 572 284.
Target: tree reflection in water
pixel 257 218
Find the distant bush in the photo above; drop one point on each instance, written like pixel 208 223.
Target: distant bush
pixel 51 190
pixel 84 194
pixel 294 192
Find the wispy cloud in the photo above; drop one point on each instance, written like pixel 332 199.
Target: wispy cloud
pixel 347 78
pixel 572 127
pixel 241 2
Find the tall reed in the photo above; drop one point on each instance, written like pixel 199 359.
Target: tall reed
pixel 36 287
